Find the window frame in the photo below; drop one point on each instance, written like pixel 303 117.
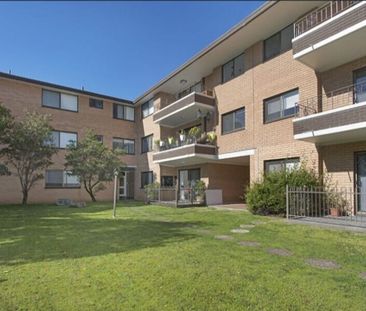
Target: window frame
pixel 142 108
pixel 235 129
pixel 233 61
pixel 123 142
pixel 282 161
pixel 98 100
pixel 167 176
pixel 59 99
pixel 64 186
pixel 152 143
pixel 273 97
pixel 146 172
pixel 124 114
pixel 281 51
pixel 59 138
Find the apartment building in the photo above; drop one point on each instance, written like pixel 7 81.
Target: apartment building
pixel 286 85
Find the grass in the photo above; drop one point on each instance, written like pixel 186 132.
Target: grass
pixel 156 258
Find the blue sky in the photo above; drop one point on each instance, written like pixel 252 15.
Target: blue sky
pixel 115 48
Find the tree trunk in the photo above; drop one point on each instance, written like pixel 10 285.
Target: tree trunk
pixel 92 196
pixel 25 197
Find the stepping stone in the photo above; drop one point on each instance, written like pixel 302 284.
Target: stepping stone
pixel 249 243
pixel 224 237
pixel 239 230
pixel 279 252
pixel 247 226
pixel 322 263
pixel 363 275
pixel 259 222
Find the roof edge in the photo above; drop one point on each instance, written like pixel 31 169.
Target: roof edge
pixel 62 87
pixel 263 8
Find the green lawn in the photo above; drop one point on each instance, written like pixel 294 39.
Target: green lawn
pixel 155 258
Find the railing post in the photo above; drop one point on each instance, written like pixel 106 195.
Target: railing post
pixel 287 202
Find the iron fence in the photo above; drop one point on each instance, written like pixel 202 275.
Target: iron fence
pixel 173 196
pixel 341 206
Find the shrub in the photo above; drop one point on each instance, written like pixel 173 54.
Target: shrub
pixel 268 195
pixel 152 191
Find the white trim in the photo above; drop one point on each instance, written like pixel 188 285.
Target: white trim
pixel 236 154
pixel 229 155
pixel 354 7
pixel 185 146
pixel 183 108
pixel 332 130
pixel 331 39
pixel 323 113
pixel 191 155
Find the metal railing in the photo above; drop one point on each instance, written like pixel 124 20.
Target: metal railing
pixel 348 95
pixel 339 206
pixel 174 196
pixel 320 15
pixel 187 140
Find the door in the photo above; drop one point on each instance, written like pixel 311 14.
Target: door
pixel 361 181
pixel 183 185
pixel 359 78
pixel 123 185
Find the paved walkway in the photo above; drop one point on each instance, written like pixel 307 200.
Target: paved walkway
pixel 230 207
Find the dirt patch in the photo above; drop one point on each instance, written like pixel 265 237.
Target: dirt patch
pixel 239 230
pixel 363 275
pixel 249 243
pixel 224 237
pixel 322 263
pixel 279 252
pixel 247 226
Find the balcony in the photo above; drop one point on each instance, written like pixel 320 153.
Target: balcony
pixel 336 117
pixel 324 36
pixel 185 110
pixel 187 150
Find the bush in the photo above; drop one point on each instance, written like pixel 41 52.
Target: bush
pixel 268 196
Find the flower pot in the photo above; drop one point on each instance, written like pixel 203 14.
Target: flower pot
pixel 335 212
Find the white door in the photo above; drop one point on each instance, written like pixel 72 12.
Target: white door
pixel 123 185
pixel 183 184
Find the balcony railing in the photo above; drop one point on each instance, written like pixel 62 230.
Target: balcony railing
pixel 352 94
pixel 320 15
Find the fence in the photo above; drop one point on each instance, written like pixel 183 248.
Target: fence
pixel 173 196
pixel 341 206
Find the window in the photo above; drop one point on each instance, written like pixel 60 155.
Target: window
pixel 278 43
pixel 147 108
pixel 281 106
pixel 146 178
pixel 146 144
pixel 167 181
pixel 59 100
pixel 233 68
pixel 61 179
pixel 127 145
pixel 95 103
pixel 359 80
pixel 233 121
pixel 123 112
pixel 282 164
pixel 62 139
pixel 198 88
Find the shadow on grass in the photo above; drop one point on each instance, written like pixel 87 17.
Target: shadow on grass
pixel 34 234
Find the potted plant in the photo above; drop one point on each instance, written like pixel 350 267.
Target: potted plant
pixel 337 204
pixel 199 189
pixel 195 133
pixel 171 141
pixel 211 137
pixel 182 136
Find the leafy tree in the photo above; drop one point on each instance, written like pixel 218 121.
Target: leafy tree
pixel 26 151
pixel 93 163
pixel 6 123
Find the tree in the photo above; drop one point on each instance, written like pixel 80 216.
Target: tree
pixel 6 123
pixel 93 163
pixel 27 151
